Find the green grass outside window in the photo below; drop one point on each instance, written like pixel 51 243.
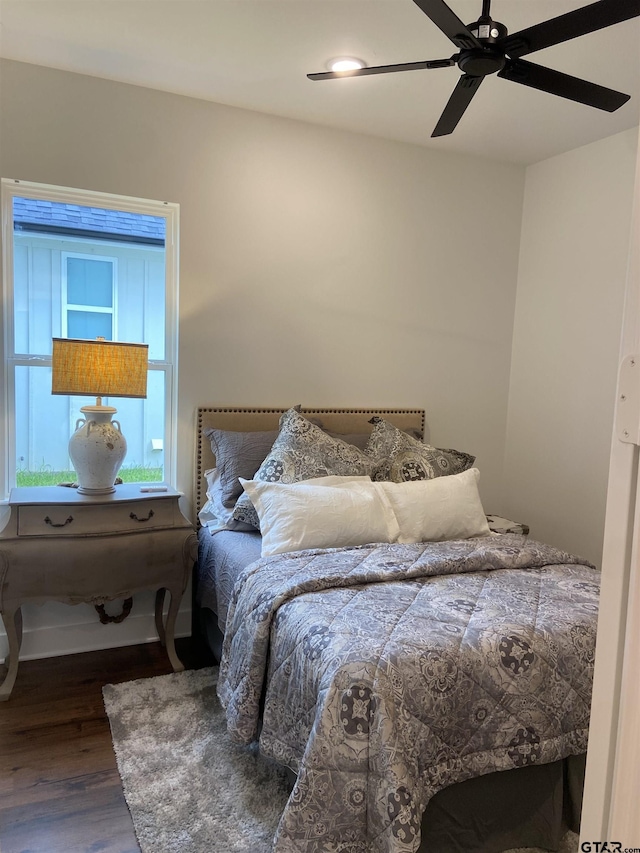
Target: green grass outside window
pixel 47 477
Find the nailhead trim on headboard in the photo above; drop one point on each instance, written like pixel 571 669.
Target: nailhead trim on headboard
pixel 416 415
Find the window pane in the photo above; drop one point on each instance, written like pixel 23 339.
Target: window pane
pixel 45 422
pixel 43 428
pixel 47 232
pixel 89 282
pixel 142 424
pixel 34 299
pixel 86 324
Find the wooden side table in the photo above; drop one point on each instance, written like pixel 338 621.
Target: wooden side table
pixel 64 546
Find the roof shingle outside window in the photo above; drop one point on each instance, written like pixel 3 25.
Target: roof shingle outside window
pixel 40 213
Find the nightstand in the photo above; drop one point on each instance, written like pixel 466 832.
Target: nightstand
pixel 63 546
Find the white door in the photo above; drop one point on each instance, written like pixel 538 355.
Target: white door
pixel 612 788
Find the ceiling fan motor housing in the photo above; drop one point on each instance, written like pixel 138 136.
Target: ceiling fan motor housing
pixel 488 59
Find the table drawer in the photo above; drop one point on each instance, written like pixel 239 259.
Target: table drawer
pixel 87 520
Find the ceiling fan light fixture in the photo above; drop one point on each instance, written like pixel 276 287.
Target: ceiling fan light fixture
pixel 345 64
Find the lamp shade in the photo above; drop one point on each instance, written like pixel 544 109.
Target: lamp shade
pixel 99 368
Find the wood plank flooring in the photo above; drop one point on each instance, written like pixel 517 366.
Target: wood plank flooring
pixel 60 791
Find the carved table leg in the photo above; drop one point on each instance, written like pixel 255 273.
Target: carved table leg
pixel 166 630
pixel 13 626
pixel 159 622
pixel 176 663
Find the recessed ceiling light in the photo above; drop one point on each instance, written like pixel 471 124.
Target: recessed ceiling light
pixel 345 63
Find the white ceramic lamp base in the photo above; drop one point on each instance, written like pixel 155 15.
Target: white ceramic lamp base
pixel 97 450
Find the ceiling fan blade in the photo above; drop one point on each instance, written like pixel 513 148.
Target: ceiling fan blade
pixel 457 104
pixel 448 22
pixel 564 85
pixel 385 69
pixel 588 19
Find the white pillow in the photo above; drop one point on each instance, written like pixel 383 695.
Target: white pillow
pixel 442 508
pixel 324 512
pixel 214 514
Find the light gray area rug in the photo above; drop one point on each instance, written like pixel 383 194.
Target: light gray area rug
pixel 188 787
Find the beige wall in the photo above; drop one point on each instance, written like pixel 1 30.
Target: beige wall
pixel 566 342
pixel 316 266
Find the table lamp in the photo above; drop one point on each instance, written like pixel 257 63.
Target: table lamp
pixel 102 369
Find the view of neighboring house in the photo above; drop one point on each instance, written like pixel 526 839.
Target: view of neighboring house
pixel 84 272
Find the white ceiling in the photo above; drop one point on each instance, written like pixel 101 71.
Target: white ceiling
pixel 256 54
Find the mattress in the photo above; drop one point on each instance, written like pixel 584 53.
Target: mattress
pixel 221 558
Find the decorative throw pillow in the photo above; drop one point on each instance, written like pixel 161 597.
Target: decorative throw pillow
pixel 438 509
pixel 301 451
pixel 323 512
pixel 398 457
pixel 500 524
pixel 238 454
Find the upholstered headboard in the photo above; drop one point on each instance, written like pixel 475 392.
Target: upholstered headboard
pixel 253 420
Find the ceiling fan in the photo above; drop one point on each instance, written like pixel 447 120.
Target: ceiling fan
pixel 486 48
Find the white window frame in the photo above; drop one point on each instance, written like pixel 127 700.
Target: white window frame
pixel 10 188
pixel 92 309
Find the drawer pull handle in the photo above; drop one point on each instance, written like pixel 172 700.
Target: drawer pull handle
pixel 135 517
pixel 61 524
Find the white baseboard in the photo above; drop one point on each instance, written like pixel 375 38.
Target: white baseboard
pixel 56 629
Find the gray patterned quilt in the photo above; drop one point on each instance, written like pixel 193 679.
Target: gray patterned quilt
pixel 383 673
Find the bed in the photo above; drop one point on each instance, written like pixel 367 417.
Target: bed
pixel 397 680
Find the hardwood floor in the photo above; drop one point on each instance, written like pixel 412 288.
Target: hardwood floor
pixel 60 791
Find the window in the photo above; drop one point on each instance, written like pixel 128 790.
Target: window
pixel 88 285
pixel 80 264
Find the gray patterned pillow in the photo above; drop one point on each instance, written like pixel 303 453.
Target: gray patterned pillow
pixel 301 451
pixel 399 457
